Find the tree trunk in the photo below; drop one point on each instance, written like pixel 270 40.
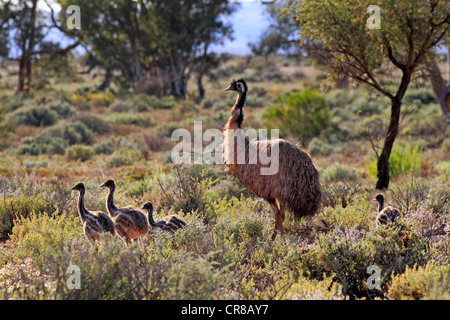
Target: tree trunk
pixel 437 82
pixel 383 160
pixel 201 89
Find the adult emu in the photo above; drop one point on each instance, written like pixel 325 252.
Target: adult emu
pixel 296 183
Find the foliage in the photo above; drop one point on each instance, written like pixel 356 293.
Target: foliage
pixel 304 114
pixel 425 282
pixel 123 157
pixel 79 152
pixel 403 159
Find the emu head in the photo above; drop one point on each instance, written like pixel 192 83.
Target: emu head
pixel 380 199
pixel 108 184
pixel 78 187
pixel 238 85
pixel 148 206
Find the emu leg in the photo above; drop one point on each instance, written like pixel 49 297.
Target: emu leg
pixel 279 218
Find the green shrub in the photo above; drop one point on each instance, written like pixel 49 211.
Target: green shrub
pixel 424 282
pixel 403 159
pixel 317 146
pixel 79 152
pixel 41 145
pixel 40 235
pixel 303 114
pixel 340 184
pixel 344 254
pixel 94 123
pixel 21 207
pixel 63 109
pixel 443 168
pixel 124 157
pixel 75 133
pixel 34 116
pixel 35 164
pixel 130 118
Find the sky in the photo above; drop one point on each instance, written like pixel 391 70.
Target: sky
pixel 248 21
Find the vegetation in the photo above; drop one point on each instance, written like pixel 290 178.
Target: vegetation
pixel 64 130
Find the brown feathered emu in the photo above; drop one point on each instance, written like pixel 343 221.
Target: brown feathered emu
pixel 295 185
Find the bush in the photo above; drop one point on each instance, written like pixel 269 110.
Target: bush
pixel 130 118
pixel 340 184
pixel 124 157
pixel 41 145
pixel 72 133
pixel 344 254
pixel 303 114
pixel 21 207
pixel 317 146
pixel 100 99
pixel 403 159
pixel 79 152
pixel 34 116
pixel 94 123
pixel 425 282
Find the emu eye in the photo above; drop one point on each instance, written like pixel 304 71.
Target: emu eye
pixel 240 86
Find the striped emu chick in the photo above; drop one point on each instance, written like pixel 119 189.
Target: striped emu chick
pixel 295 184
pixel 94 222
pixel 170 223
pixel 130 223
pixel 386 214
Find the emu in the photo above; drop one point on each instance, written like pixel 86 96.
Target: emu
pixel 170 223
pixel 386 214
pixel 94 222
pixel 295 185
pixel 129 222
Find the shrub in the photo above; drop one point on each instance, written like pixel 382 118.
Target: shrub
pixel 21 207
pixel 79 152
pixel 100 99
pixel 34 116
pixel 424 282
pixel 403 159
pixel 317 146
pixel 155 140
pixel 124 157
pixel 40 235
pixel 41 145
pixel 130 118
pixel 340 184
pixel 63 109
pixel 303 114
pixel 75 133
pixel 344 254
pixel 443 168
pixel 94 123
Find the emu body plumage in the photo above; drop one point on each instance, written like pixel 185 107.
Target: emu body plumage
pixel 295 185
pixel 130 223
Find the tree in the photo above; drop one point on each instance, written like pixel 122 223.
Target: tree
pixel 338 32
pixel 24 29
pixel 282 32
pixel 183 32
pixel 154 44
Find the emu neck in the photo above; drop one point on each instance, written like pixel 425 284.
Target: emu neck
pixel 150 218
pixel 380 205
pixel 237 112
pixel 81 208
pixel 110 202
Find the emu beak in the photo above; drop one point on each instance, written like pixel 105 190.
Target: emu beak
pixel 228 88
pixel 103 185
pixel 73 188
